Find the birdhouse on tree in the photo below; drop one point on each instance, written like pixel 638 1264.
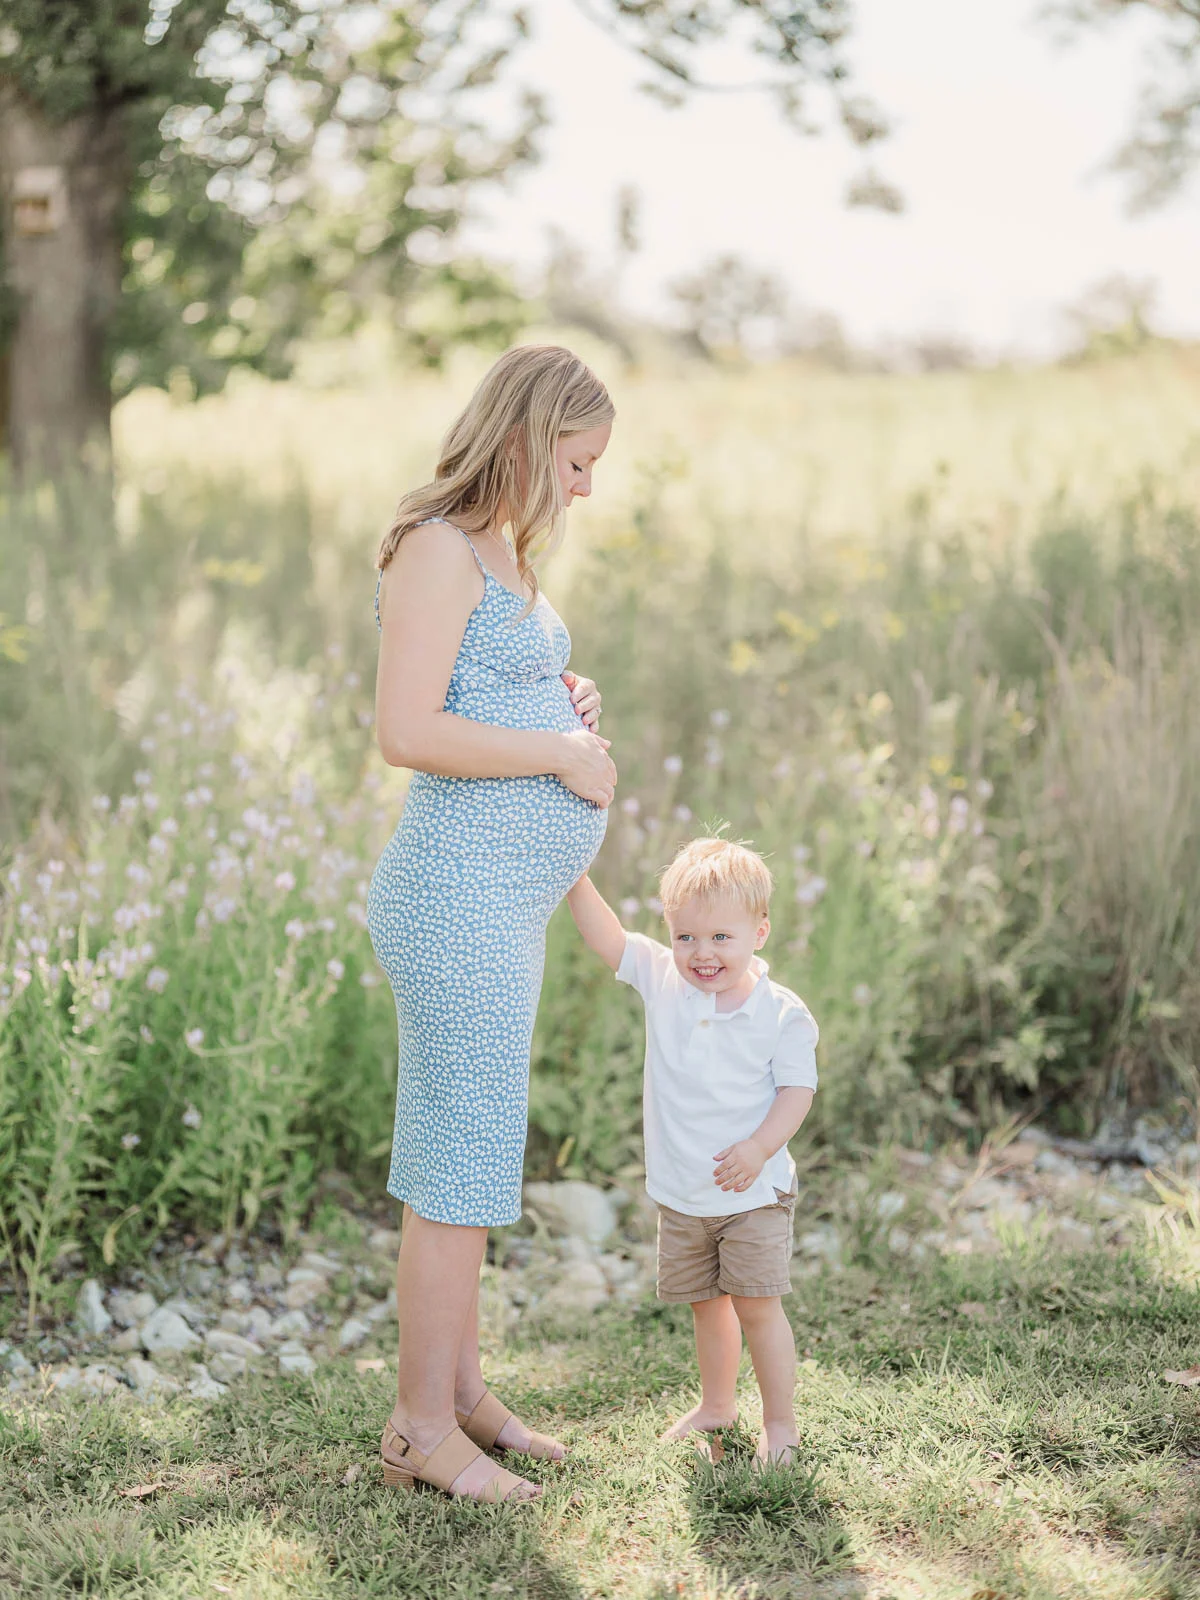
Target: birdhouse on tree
pixel 39 200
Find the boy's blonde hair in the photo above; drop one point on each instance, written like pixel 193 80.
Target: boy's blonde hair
pixel 712 869
pixel 500 450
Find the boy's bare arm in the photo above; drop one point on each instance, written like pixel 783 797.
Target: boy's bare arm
pixel 597 922
pixel 739 1164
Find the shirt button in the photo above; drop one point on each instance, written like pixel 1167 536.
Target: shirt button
pixel 704 1024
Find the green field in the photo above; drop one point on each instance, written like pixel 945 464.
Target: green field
pixel 927 641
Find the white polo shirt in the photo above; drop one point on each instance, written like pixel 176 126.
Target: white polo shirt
pixel 711 1077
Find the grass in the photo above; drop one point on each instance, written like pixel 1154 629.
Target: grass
pixel 1024 1451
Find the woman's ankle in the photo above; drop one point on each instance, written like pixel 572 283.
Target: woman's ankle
pixel 424 1430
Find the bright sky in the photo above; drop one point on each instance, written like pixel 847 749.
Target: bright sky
pixel 1001 138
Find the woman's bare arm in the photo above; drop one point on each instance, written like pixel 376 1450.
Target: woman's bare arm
pixel 426 596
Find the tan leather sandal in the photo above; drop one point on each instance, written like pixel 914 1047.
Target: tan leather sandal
pixel 485 1421
pixel 404 1466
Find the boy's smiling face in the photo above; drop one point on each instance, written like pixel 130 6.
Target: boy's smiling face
pixel 713 940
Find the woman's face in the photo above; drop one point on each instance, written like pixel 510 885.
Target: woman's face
pixel 575 455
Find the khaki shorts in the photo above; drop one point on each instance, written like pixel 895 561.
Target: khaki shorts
pixel 749 1253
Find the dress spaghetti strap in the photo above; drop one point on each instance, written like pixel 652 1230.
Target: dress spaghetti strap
pixel 421 524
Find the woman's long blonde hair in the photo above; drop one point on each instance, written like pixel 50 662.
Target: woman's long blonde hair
pixel 524 404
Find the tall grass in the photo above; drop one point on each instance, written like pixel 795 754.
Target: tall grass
pixel 966 744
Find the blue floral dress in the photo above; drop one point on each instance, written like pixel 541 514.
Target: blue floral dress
pixel 457 911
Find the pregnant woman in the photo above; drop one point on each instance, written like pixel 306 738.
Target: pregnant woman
pixel 506 809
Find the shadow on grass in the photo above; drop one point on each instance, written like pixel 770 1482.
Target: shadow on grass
pixel 772 1525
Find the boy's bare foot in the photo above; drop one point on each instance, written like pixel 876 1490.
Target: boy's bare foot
pixel 700 1419
pixel 777 1445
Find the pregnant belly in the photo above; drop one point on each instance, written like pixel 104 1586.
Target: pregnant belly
pixel 526 830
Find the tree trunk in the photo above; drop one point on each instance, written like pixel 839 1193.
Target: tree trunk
pixel 64 187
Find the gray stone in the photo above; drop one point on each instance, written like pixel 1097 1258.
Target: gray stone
pixel 232 1320
pixel 291 1325
pixel 202 1386
pixel 579 1290
pixel 66 1378
pixel 148 1380
pixel 821 1241
pixel 232 1344
pixel 89 1309
pixel 130 1309
pixel 235 1261
pixel 1054 1164
pixel 293 1357
pixel 382 1308
pixel 99 1378
pixel 14 1361
pixel 618 1270
pixel 239 1292
pixel 353 1333
pixel 225 1368
pixel 890 1204
pixel 194 1315
pixel 126 1342
pixel 313 1260
pixel 298 1295
pixel 166 1330
pixel 574 1208
pixel 384 1241
pixel 258 1324
pixel 198 1278
pixel 268 1275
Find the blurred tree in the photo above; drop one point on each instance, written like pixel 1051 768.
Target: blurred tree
pixel 192 184
pixel 1114 317
pixel 730 308
pixel 1164 149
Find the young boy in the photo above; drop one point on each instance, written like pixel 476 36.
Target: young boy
pixel 729 1077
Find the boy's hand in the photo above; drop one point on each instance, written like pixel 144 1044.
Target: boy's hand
pixel 739 1165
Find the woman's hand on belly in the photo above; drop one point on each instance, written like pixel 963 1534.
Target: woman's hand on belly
pixel 586 768
pixel 585 697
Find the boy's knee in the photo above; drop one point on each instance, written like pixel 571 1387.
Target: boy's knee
pixel 755 1309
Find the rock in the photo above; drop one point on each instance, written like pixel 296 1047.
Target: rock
pixel 166 1330
pixel 198 1278
pixel 232 1320
pixel 66 1378
pixel 202 1386
pixel 304 1285
pixel 291 1325
pixel 1188 1155
pixel 130 1309
pixel 899 1241
pixel 258 1324
pixel 235 1261
pixel 225 1368
pixel 127 1341
pixel 293 1357
pixel 579 1290
pixel 822 1241
pixel 239 1293
pixel 352 1334
pixel 148 1380
pixel 89 1309
pixel 985 1193
pixel 195 1316
pixel 1072 1235
pixel 314 1261
pixel 384 1241
pixel 618 1270
pixel 381 1309
pixel 1056 1165
pixel 14 1361
pixel 577 1209
pixel 890 1204
pixel 232 1344
pixel 268 1275
pixel 99 1378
